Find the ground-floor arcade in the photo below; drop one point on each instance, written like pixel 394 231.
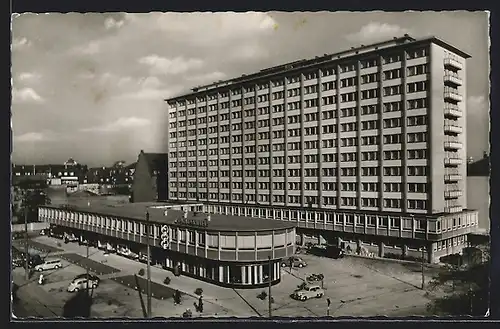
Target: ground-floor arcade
pixel 388 247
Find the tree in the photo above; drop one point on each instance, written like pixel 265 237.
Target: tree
pixel 29 201
pixel 462 290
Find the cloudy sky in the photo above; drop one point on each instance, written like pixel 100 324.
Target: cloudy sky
pixel 90 86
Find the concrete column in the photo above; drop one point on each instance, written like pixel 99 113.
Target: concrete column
pixel 302 239
pixel 261 274
pixel 248 274
pixel 358 246
pixel 404 251
pixel 201 271
pixel 276 271
pixel 228 275
pixel 255 274
pixel 381 247
pixel 183 266
pixel 243 274
pixel 221 273
pixel 321 239
pixel 430 253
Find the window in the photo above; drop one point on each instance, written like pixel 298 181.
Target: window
pixel 416 86
pixel 392 74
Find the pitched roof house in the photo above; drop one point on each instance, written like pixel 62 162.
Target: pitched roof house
pixel 150 178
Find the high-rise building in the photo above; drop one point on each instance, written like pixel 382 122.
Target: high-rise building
pixel 366 142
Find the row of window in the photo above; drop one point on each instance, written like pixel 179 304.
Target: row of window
pixel 308 172
pixel 329 157
pixel 308 186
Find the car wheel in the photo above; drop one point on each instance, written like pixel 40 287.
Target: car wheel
pixel 94 286
pixel 301 266
pixel 304 298
pixel 40 270
pixel 319 296
pixel 283 265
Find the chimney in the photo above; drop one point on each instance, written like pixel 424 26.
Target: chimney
pixel 209 217
pixel 185 214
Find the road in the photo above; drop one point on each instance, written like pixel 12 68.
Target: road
pixel 356 287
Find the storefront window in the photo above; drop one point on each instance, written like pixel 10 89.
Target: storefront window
pixel 235 274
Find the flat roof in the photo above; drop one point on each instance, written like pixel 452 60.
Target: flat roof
pixel 343 55
pixel 218 222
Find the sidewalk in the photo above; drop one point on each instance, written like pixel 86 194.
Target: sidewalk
pixel 225 298
pixel 33 300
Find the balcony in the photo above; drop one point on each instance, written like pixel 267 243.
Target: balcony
pixel 453 96
pixel 452 145
pixel 453 161
pixel 452 194
pixel 453 79
pixel 452 112
pixel 453 63
pixel 453 209
pixel 452 177
pixel 452 129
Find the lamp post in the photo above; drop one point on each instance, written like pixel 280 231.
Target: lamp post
pixel 26 248
pixel 270 296
pixel 148 266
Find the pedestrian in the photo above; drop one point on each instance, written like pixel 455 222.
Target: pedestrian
pixel 200 304
pixel 177 297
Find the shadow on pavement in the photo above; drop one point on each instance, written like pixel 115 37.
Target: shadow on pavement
pixel 78 306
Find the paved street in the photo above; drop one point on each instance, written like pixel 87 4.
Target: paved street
pixel 356 287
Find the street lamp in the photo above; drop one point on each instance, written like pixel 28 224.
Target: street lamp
pixel 148 266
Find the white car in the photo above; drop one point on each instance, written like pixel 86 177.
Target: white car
pixel 81 284
pixel 48 265
pixel 309 291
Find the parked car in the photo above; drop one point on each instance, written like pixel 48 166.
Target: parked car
pixel 125 252
pixel 295 261
pixel 89 276
pixel 70 238
pixel 82 283
pixel 48 265
pixel 308 292
pixel 330 251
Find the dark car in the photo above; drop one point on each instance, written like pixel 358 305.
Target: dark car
pixel 293 261
pixel 88 276
pixel 330 251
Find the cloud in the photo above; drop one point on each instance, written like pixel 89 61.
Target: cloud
pixel 147 94
pixel 28 76
pixel 33 137
pixel 26 95
pixel 204 29
pixel 375 31
pixel 19 43
pixel 249 51
pixel 163 65
pixel 475 103
pixel 111 23
pixel 119 125
pixel 208 77
pixel 91 48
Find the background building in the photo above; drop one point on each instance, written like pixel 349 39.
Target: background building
pixel 150 182
pixel 375 133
